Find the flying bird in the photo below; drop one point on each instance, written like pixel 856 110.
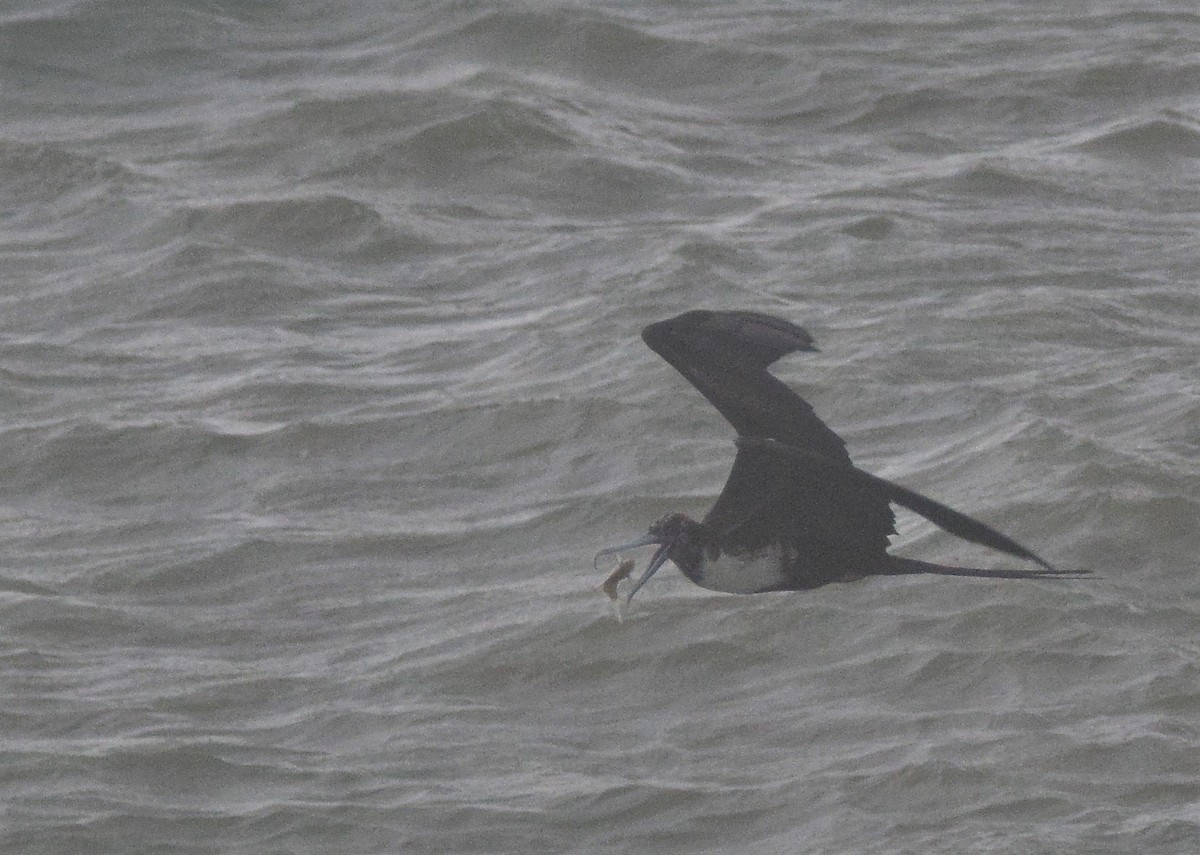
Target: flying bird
pixel 795 512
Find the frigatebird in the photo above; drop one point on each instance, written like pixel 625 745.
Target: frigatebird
pixel 795 512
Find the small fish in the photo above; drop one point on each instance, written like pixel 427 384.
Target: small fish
pixel 622 572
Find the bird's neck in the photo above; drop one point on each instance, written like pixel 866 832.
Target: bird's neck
pixel 695 545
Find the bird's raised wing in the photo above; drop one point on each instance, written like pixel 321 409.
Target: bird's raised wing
pixel 725 356
pixel 837 523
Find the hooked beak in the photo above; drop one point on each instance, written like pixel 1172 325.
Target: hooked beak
pixel 657 560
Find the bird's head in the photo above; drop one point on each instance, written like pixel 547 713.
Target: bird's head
pixel 677 538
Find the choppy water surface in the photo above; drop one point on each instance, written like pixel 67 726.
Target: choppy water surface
pixel 321 384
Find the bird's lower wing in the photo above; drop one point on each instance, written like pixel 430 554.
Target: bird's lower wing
pixel 894 565
pixel 958 524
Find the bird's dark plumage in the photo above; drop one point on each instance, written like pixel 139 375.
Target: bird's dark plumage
pixel 795 512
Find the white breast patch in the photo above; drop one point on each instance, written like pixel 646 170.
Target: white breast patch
pixel 744 574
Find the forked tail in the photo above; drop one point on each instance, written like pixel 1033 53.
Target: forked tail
pixel 894 565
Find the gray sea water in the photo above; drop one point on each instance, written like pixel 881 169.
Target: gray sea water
pixel 321 384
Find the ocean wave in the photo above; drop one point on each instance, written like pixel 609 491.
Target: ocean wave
pixel 1159 139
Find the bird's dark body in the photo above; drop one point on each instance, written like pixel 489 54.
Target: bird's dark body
pixel 795 513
